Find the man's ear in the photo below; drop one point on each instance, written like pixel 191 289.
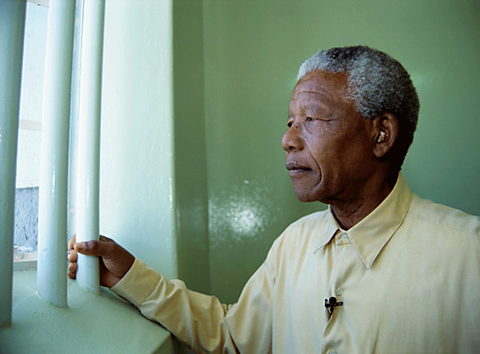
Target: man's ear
pixel 386 134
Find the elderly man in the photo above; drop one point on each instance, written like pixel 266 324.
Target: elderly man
pixel 381 270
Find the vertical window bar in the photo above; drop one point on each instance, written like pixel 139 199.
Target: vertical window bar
pixel 12 23
pixel 52 219
pixel 74 108
pixel 87 210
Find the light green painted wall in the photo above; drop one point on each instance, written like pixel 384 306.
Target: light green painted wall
pixel 252 51
pixel 190 147
pixel 137 205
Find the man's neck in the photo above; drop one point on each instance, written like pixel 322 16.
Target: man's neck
pixel 351 212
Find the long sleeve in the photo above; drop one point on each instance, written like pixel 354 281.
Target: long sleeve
pixel 199 320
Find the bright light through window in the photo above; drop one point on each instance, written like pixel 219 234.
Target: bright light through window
pixel 29 134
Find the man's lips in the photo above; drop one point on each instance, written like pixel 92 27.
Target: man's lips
pixel 295 168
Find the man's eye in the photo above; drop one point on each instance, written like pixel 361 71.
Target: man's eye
pixel 309 119
pixel 289 124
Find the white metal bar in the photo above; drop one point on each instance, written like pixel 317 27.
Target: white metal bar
pixel 89 139
pixel 29 124
pixel 12 20
pixel 52 219
pixel 39 2
pixel 74 108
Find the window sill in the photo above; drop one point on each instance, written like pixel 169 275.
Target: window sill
pixel 92 323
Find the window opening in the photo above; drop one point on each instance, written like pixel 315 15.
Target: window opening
pixel 29 136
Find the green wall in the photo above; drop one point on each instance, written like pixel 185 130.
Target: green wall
pixel 252 50
pixel 191 196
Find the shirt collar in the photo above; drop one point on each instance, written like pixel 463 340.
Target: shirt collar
pixel 371 234
pixel 331 228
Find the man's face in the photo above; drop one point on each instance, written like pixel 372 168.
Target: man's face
pixel 329 146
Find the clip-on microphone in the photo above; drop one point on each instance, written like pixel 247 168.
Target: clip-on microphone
pixel 331 303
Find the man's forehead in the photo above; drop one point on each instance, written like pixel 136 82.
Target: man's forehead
pixel 310 95
pixel 307 99
pixel 309 85
pixel 321 83
pixel 317 93
pixel 308 103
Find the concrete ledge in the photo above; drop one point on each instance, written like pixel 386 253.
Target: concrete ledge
pixel 91 324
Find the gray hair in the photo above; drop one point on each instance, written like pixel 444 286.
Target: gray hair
pixel 377 84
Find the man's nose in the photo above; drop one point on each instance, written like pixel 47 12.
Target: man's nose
pixel 292 139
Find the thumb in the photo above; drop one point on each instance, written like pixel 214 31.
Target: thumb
pixel 92 248
pixel 114 257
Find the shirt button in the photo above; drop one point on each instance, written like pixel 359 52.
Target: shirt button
pixel 339 291
pixel 344 237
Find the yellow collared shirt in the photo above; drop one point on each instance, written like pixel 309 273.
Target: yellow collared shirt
pixel 408 276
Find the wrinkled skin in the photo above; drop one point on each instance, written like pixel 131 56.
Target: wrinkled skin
pixel 332 151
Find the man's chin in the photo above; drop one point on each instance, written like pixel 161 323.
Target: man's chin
pixel 305 196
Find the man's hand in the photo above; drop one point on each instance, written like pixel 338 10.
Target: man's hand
pixel 115 261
